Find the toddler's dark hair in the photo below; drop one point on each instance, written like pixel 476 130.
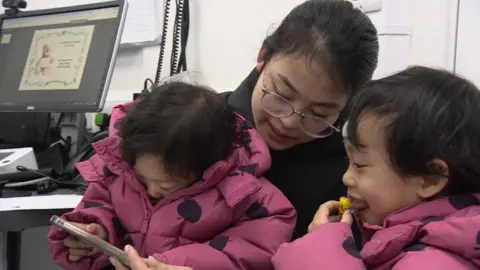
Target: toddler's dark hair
pixel 189 126
pixel 428 114
pixel 333 33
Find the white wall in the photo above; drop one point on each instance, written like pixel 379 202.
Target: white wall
pixel 468 43
pixel 226 35
pixel 434 30
pixel 445 34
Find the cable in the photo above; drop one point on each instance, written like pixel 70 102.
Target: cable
pixel 162 43
pixel 145 84
pixel 61 181
pixel 28 183
pixel 60 119
pixel 146 88
pixel 182 66
pixel 176 37
pixel 181 29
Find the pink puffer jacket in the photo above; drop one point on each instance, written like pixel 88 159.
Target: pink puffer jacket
pixel 232 219
pixel 442 234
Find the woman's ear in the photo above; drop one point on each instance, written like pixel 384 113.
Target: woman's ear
pixel 261 58
pixel 434 183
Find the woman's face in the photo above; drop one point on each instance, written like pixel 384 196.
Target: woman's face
pixel 308 88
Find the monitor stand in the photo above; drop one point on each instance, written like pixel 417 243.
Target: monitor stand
pixel 73 128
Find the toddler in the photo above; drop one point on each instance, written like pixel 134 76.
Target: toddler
pixel 180 178
pixel 413 140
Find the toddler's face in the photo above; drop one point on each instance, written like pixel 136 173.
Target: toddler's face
pixel 374 188
pixel 156 180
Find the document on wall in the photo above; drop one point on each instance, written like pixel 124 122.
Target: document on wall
pixel 57 57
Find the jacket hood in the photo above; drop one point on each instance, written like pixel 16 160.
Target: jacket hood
pixel 449 223
pixel 250 156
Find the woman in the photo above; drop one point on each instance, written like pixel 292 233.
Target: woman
pixel 306 71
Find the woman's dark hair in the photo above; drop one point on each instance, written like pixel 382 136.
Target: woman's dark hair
pixel 428 114
pixel 190 127
pixel 332 33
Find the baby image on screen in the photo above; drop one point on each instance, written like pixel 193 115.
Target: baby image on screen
pixel 44 64
pixel 57 58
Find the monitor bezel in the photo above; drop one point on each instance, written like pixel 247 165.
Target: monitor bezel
pixel 108 72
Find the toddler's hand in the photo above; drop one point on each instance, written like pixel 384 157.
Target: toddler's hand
pixel 324 215
pixel 79 249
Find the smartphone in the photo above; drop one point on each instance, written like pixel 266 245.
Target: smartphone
pixel 91 239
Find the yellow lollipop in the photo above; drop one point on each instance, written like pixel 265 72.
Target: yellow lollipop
pixel 344 205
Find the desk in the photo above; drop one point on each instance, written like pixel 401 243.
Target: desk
pixel 14 221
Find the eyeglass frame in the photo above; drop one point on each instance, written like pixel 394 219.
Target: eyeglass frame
pixel 299 113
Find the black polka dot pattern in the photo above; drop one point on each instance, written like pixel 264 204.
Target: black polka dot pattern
pixel 118 228
pixel 89 204
pixel 190 210
pixel 234 173
pixel 256 211
pixel 250 169
pixel 350 247
pixel 463 201
pixel 429 219
pixel 129 241
pixel 219 242
pixel 416 247
pixel 118 125
pixel 106 171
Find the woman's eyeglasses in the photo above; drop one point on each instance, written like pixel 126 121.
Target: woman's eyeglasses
pixel 278 106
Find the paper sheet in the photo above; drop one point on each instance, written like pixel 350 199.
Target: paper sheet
pixel 40 202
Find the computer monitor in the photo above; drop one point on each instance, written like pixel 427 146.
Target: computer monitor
pixel 59 60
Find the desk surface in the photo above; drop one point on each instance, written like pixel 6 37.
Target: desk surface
pixel 40 202
pixel 22 213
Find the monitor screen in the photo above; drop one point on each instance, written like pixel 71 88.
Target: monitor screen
pixel 59 60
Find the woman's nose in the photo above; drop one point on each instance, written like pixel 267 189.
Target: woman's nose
pixel 292 122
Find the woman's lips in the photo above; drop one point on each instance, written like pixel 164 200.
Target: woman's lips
pixel 277 135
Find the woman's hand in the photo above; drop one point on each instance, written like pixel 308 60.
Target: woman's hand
pixel 324 215
pixel 139 263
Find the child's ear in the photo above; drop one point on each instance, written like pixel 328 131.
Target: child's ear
pixel 436 182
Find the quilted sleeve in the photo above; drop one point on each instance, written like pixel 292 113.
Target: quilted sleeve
pixel 330 246
pixel 95 207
